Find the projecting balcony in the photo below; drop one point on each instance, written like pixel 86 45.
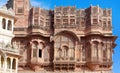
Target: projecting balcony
pixel 64 59
pixel 40 61
pixel 97 29
pixel 39 30
pixel 20 30
pixel 66 26
pixel 8 48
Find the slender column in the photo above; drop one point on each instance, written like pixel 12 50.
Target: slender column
pixel 111 51
pixel 11 61
pixel 99 51
pixel 81 53
pixel 108 51
pixel 6 24
pixel 16 65
pixel 92 52
pixel 76 44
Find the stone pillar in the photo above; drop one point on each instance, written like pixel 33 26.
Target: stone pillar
pixel 81 53
pixel 31 50
pixel 16 69
pixel 6 24
pixel 99 51
pixel 11 61
pixel 108 51
pixel 92 51
pixel 76 47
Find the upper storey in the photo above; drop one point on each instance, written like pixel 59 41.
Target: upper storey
pixel 40 20
pixel 98 20
pixel 92 20
pixel 65 17
pixel 7 20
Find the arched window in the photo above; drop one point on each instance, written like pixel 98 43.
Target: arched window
pixel 40 53
pixel 88 50
pixel 104 52
pixel 46 53
pixel 104 25
pixel 35 47
pixel 14 64
pixel 83 53
pixel 9 25
pixel 65 51
pixel 2 61
pixel 60 53
pixel 72 52
pixel 8 63
pixel 95 46
pixel 3 23
pixel 41 45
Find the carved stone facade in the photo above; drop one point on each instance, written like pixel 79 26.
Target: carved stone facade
pixel 62 40
pixel 9 53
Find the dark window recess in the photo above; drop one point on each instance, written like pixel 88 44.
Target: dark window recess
pixel 20 10
pixel 40 53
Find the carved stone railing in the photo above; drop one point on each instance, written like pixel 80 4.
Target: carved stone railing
pixel 8 48
pixel 39 27
pixel 66 26
pixel 65 59
pixel 20 29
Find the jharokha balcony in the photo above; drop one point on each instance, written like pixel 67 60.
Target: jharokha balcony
pixel 38 29
pixel 8 58
pixel 32 29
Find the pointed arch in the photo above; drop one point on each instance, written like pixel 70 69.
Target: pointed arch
pixel 8 63
pixel 4 23
pixel 9 27
pixel 72 34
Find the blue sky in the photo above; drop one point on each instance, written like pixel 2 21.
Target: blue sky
pixel 113 4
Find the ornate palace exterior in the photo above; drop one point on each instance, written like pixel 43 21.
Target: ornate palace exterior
pixel 65 39
pixel 9 54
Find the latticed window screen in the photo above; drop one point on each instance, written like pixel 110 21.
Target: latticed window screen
pixel 34 52
pixel 20 10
